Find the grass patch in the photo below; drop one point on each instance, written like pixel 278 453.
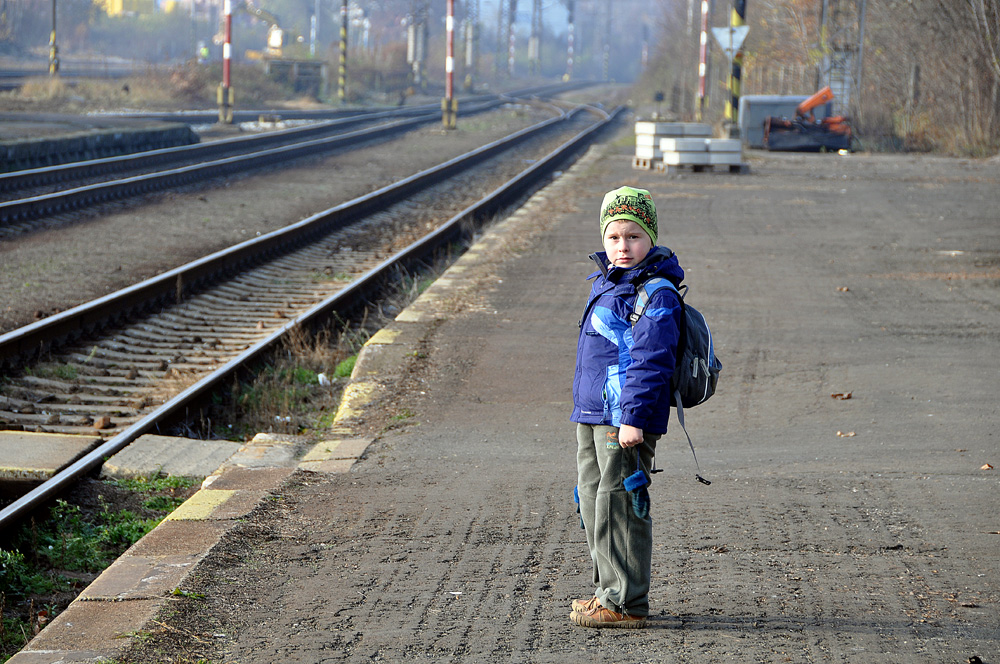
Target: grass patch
pixel 345 367
pixel 49 560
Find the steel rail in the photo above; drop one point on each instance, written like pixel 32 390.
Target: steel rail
pixel 36 177
pixel 325 122
pixel 464 222
pixel 35 207
pixel 40 336
pixel 211 117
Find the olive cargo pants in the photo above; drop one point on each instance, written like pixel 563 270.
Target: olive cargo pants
pixel 621 543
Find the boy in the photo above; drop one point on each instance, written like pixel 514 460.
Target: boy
pixel 621 401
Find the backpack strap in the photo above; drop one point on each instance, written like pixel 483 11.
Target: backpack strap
pixel 645 290
pixel 643 294
pixel 680 418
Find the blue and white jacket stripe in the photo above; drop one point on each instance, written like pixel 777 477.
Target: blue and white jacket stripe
pixel 623 372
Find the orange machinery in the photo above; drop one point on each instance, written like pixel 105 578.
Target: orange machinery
pixel 804 133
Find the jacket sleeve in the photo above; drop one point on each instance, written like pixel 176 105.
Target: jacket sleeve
pixel 654 352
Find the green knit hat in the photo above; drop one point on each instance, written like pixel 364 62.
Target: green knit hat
pixel 630 204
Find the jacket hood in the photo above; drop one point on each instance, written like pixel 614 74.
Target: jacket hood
pixel 659 262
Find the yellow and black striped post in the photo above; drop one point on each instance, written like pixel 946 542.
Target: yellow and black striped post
pixel 738 19
pixel 53 49
pixel 342 69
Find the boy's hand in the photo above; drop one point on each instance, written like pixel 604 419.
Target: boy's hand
pixel 629 436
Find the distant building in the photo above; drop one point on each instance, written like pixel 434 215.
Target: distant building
pixel 127 7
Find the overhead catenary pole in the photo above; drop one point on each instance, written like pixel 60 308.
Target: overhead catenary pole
pixel 226 94
pixel 314 30
pixel 449 105
pixel 535 41
pixel 606 57
pixel 569 41
pixel 471 43
pixel 416 41
pixel 511 38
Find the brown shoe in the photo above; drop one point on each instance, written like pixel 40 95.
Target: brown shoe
pixel 584 605
pixel 601 617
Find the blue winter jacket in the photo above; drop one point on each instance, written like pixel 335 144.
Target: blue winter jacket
pixel 623 372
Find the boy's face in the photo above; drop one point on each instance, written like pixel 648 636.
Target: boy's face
pixel 626 243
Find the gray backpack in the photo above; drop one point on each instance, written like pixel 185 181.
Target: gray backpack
pixel 696 374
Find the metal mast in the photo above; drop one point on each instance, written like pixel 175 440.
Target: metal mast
pixel 571 27
pixel 842 33
pixel 535 41
pixel 471 43
pixel 503 35
pixel 606 39
pixel 416 41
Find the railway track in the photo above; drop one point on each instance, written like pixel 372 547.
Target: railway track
pixel 41 193
pixel 198 163
pixel 126 363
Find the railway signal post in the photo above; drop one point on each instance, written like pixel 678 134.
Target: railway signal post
pixel 53 49
pixel 226 96
pixel 449 105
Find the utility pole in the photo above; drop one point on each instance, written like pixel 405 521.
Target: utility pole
pixel 534 43
pixel 606 56
pixel 511 38
pixel 570 6
pixel 416 42
pixel 842 34
pixel 53 49
pixel 503 25
pixel 471 43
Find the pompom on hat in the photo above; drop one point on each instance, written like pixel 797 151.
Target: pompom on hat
pixel 630 204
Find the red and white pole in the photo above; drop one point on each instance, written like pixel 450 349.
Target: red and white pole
pixel 449 58
pixel 449 107
pixel 702 59
pixel 225 91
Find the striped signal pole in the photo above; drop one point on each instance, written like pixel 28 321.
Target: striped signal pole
pixel 226 95
pixel 702 57
pixel 53 49
pixel 449 105
pixel 342 67
pixel 737 19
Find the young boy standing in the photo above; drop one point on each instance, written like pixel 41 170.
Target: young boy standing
pixel 621 403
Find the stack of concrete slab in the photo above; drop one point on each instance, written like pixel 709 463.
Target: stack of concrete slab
pixel 668 146
pixel 648 136
pixel 699 153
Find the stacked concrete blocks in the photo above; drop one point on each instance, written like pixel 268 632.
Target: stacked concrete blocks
pixel 701 153
pixel 649 136
pixel 669 146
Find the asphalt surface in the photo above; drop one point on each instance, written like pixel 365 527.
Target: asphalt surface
pixel 853 514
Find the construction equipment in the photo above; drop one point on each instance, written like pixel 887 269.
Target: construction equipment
pixel 805 133
pixel 275 34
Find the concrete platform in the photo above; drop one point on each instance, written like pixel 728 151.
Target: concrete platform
pixel 36 140
pixel 168 455
pixel 32 457
pixel 878 546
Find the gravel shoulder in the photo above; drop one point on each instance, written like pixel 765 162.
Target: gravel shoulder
pixel 852 517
